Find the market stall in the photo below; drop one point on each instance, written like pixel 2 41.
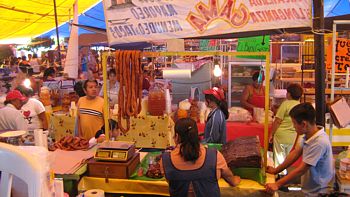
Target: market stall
pixel 265 126
pixel 112 164
pixel 144 130
pixel 156 131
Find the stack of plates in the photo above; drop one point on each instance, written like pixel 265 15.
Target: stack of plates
pixel 12 137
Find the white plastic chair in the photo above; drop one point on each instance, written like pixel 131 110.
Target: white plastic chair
pixel 16 162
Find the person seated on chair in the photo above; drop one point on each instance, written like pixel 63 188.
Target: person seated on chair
pixel 254 94
pixel 112 88
pixel 192 168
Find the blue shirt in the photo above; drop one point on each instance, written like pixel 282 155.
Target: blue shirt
pixel 84 67
pixel 317 152
pixel 215 128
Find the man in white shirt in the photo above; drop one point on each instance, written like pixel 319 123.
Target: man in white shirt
pixel 11 118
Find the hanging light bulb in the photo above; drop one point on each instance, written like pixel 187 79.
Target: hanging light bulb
pixel 217 71
pixel 27 83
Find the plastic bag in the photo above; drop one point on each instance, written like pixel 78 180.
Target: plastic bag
pixel 239 114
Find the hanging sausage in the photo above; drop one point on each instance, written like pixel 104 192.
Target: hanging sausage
pixel 128 69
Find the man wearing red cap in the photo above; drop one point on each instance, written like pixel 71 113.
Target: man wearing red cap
pixel 11 118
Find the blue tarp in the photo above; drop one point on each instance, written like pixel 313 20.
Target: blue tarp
pixel 336 7
pixel 95 16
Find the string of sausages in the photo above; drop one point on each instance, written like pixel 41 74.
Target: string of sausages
pixel 70 143
pixel 129 72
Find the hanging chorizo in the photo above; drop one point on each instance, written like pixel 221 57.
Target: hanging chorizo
pixel 130 86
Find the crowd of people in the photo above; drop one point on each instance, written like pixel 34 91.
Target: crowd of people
pixel 294 136
pixel 191 167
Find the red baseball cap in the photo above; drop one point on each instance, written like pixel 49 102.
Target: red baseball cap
pixel 216 92
pixel 15 94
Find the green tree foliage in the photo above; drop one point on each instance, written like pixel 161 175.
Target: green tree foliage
pixel 36 43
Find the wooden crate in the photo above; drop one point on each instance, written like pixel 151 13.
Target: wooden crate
pixel 109 169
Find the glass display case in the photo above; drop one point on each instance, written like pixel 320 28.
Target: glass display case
pixel 239 75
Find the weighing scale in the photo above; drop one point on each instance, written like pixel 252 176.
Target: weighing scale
pixel 115 151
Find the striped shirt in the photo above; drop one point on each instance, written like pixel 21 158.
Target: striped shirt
pixel 90 116
pixel 215 128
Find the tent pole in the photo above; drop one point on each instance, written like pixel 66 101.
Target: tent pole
pixel 58 37
pixel 320 70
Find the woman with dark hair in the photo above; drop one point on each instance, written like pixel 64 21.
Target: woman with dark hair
pixel 192 168
pixel 112 88
pixel 253 95
pixel 283 133
pixel 49 74
pixel 215 127
pixel 78 88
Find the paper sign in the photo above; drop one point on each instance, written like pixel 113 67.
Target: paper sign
pixel 339 113
pixel 342 55
pixel 254 44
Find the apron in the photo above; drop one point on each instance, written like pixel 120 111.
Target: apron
pixel 257 100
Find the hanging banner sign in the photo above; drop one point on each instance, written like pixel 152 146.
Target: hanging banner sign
pixel 145 20
pixel 342 56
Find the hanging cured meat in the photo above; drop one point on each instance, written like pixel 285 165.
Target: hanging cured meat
pixel 129 71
